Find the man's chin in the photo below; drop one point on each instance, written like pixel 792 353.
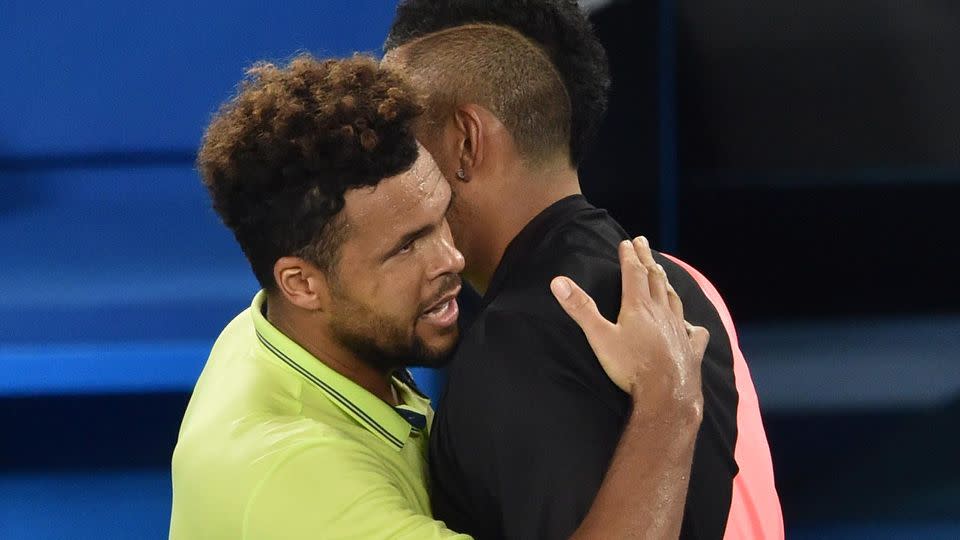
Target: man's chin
pixel 435 355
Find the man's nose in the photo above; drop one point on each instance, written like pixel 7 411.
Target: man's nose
pixel 450 260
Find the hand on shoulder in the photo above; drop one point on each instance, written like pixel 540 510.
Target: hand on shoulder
pixel 651 352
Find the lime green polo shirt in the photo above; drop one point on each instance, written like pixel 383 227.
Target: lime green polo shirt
pixel 276 445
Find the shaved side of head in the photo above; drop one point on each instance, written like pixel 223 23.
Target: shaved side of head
pixel 499 69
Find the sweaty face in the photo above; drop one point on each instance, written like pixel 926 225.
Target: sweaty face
pixel 394 293
pixel 441 143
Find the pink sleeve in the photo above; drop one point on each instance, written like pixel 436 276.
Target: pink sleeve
pixel 755 507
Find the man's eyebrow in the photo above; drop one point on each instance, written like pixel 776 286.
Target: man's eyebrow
pixel 417 233
pixel 409 237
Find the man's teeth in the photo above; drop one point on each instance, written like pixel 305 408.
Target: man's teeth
pixel 439 310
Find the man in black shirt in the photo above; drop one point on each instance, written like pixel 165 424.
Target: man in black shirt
pixel 529 422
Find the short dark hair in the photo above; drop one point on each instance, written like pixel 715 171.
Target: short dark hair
pixel 278 158
pixel 560 27
pixel 500 69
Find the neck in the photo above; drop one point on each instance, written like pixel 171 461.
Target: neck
pixel 518 199
pixel 304 329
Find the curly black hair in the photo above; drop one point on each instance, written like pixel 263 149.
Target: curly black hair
pixel 560 27
pixel 278 158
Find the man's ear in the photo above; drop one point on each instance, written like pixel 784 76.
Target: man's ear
pixel 469 122
pixel 302 284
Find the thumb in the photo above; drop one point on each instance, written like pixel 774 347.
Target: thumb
pixel 580 307
pixel 699 338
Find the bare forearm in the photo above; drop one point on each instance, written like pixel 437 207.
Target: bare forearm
pixel 645 488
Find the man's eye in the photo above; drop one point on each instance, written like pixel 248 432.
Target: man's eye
pixel 406 248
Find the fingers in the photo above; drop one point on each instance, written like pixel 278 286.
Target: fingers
pixel 642 245
pixel 657 277
pixel 658 285
pixel 581 308
pixel 699 338
pixel 633 275
pixel 676 305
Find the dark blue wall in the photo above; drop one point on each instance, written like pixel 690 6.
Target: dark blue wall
pixel 111 76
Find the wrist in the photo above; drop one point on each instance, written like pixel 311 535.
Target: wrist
pixel 667 402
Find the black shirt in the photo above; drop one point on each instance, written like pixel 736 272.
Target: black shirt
pixel 529 421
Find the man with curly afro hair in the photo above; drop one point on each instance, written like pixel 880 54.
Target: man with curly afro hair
pixel 304 422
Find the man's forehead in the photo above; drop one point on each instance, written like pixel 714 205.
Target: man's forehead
pixel 426 176
pixel 421 185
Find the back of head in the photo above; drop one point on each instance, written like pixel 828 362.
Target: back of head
pixel 558 26
pixel 278 158
pixel 498 68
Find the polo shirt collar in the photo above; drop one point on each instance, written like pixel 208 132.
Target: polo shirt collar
pixel 525 242
pixel 366 409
